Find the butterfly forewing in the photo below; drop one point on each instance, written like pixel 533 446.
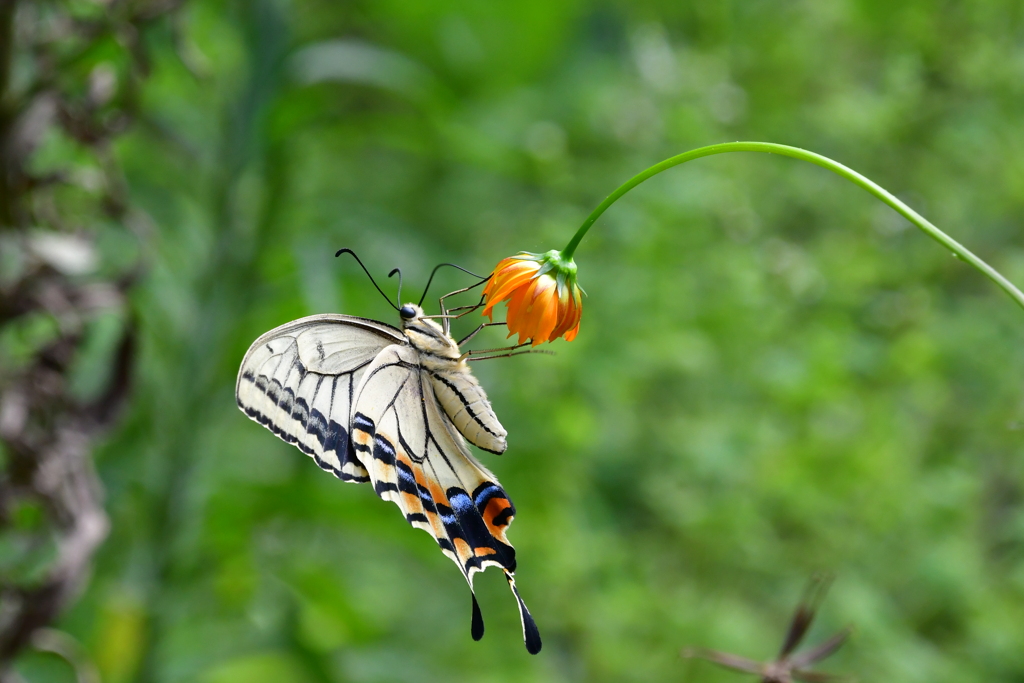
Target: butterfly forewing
pixel 416 459
pixel 298 380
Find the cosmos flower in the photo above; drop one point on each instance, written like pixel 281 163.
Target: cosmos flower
pixel 544 301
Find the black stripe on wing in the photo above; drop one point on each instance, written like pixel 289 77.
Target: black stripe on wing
pixel 468 527
pixel 332 436
pixel 462 519
pixel 473 525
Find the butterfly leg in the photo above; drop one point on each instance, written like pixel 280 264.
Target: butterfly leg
pixel 468 355
pixel 440 301
pixel 460 291
pixel 467 309
pixel 512 351
pixel 517 353
pixel 474 332
pixel 470 308
pixel 448 316
pixel 445 317
pixel 444 312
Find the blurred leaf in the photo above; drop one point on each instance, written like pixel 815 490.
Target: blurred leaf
pixel 359 62
pixel 269 667
pixel 121 635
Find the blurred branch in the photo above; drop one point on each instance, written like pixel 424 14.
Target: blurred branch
pixel 787 666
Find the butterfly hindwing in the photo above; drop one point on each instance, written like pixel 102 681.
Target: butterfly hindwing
pixel 416 459
pixel 299 379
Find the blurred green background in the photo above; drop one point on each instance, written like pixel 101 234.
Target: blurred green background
pixel 775 374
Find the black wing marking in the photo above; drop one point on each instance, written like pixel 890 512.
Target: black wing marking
pixel 416 459
pixel 298 381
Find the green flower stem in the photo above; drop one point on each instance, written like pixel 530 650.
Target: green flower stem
pixel 959 250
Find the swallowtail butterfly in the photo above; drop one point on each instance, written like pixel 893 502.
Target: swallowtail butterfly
pixel 393 408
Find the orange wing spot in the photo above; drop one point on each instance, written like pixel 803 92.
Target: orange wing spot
pixel 495 507
pixel 410 502
pixel 438 528
pixel 437 493
pixel 420 479
pixel 361 437
pixel 462 549
pixel 480 552
pixel 383 471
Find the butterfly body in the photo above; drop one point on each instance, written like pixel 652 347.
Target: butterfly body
pixel 371 403
pixel 456 388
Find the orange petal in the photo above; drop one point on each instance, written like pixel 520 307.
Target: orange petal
pixel 503 290
pixel 547 317
pixel 530 313
pixel 567 317
pixel 573 311
pixel 526 319
pixel 517 315
pixel 514 306
pixel 513 264
pixel 577 313
pixel 497 275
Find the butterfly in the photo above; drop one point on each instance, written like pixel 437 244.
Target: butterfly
pixel 392 407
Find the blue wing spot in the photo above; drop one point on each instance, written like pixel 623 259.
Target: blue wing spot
pixel 363 423
pixel 383 450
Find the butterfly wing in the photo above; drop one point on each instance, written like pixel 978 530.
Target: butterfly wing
pixel 416 458
pixel 299 379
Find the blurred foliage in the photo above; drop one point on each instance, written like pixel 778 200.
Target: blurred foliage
pixel 69 81
pixel 774 375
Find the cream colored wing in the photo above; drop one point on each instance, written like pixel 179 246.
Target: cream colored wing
pixel 416 458
pixel 299 379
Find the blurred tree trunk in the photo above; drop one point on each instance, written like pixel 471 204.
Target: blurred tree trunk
pixel 51 503
pixel 6 52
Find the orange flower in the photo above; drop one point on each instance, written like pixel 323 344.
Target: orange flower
pixel 543 298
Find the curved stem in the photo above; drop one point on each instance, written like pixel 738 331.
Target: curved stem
pixel 959 250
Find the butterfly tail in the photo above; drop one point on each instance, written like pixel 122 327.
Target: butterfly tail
pixel 477 628
pixel 531 636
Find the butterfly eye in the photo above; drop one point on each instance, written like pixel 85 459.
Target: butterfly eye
pixel 407 312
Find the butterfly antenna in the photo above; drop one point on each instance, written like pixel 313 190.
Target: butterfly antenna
pixel 477 629
pixel 399 271
pixel 349 251
pixel 531 636
pixel 438 267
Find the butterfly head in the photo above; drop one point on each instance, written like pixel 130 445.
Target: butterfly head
pixel 424 333
pixel 410 312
